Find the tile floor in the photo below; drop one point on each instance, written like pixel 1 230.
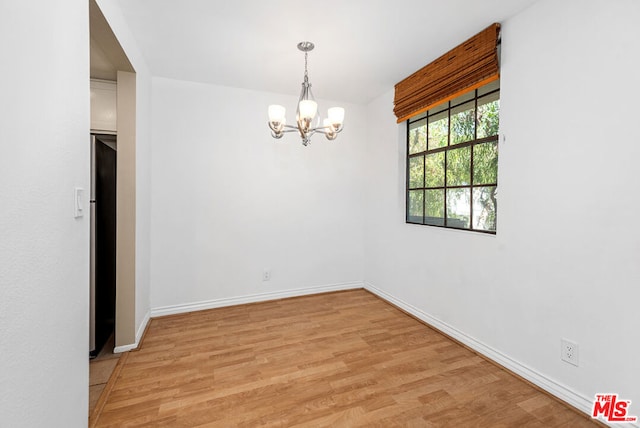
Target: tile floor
pixel 100 369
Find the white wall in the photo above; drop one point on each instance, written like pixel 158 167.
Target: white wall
pixel 114 17
pixel 565 260
pixel 228 200
pixel 143 200
pixel 44 251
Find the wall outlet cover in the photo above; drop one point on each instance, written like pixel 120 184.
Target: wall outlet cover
pixel 569 351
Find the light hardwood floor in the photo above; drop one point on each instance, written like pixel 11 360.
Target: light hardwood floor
pixel 337 359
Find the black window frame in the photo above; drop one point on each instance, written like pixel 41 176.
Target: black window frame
pixel 438 110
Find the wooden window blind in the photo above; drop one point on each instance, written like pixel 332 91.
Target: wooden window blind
pixel 468 66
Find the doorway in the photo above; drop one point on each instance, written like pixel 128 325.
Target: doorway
pixel 113 112
pixel 103 240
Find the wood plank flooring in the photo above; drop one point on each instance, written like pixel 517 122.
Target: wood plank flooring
pixel 337 359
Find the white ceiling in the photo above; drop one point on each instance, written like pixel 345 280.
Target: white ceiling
pixel 363 47
pixel 107 56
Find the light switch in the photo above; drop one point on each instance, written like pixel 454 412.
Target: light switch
pixel 78 202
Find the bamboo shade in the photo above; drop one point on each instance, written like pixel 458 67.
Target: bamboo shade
pixel 468 66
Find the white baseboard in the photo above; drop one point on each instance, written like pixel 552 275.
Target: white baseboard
pixel 252 298
pixel 139 333
pixel 142 327
pixel 124 348
pixel 563 392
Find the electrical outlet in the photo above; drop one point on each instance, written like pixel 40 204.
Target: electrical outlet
pixel 569 351
pixel 266 274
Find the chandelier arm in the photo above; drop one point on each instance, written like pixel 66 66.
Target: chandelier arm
pixel 305 92
pixel 321 129
pixel 284 131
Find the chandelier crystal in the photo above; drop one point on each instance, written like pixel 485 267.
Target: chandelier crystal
pixel 306 112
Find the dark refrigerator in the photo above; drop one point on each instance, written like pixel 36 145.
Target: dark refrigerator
pixel 103 241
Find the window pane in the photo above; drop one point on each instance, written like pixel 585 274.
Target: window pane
pixel 435 170
pixel 463 98
pixel 485 163
pixel 484 208
pixel 418 117
pixel 459 167
pixel 416 172
pixel 438 130
pixel 435 207
pixel 458 208
pixel 416 206
pixel 439 108
pixel 463 123
pixel 488 115
pixel 489 87
pixel 418 136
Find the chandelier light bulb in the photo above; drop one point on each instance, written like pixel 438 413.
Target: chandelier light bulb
pixel 336 115
pixel 276 120
pixel 276 113
pixel 308 109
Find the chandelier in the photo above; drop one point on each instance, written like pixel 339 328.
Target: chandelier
pixel 306 112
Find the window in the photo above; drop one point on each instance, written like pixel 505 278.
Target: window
pixel 452 162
